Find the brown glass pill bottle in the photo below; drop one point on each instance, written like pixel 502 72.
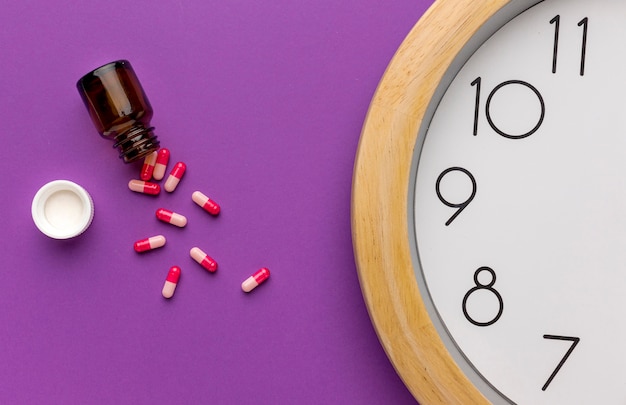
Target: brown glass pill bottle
pixel 119 109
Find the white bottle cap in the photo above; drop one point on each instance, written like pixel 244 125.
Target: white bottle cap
pixel 62 209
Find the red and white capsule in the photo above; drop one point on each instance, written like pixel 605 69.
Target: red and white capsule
pixel 174 178
pixel 144 187
pixel 148 166
pixel 206 203
pixel 171 282
pixel 171 217
pixel 254 280
pixel 203 259
pixel 151 243
pixel 163 157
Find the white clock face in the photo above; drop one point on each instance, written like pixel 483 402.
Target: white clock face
pixel 520 206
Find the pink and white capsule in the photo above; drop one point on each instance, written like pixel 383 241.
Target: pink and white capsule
pixel 148 166
pixel 151 243
pixel 254 280
pixel 203 259
pixel 171 217
pixel 144 187
pixel 163 157
pixel 175 175
pixel 206 203
pixel 171 281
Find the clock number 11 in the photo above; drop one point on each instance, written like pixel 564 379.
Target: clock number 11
pixel 584 23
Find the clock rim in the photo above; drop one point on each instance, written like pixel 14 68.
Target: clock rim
pixel 380 198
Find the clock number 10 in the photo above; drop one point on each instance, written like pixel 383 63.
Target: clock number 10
pixel 527 86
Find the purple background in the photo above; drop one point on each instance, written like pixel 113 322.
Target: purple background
pixel 264 101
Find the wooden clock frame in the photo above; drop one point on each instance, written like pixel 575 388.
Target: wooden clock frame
pixel 380 198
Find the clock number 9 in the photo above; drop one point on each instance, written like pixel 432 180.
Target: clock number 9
pixel 478 81
pixel 486 287
pixel 462 205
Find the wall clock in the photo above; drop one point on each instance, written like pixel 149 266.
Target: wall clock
pixel 489 203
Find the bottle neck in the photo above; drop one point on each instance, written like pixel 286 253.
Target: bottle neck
pixel 136 142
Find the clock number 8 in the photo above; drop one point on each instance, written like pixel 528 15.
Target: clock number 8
pixel 462 205
pixel 486 287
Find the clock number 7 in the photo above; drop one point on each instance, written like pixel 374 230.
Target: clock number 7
pixel 555 51
pixel 461 205
pixel 574 341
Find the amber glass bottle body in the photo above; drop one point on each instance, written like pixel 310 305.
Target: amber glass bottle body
pixel 119 109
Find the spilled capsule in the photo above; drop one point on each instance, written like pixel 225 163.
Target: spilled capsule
pixel 206 203
pixel 174 178
pixel 144 187
pixel 203 259
pixel 151 243
pixel 254 280
pixel 171 282
pixel 163 157
pixel 171 217
pixel 148 166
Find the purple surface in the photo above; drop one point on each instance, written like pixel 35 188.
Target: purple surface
pixel 264 101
